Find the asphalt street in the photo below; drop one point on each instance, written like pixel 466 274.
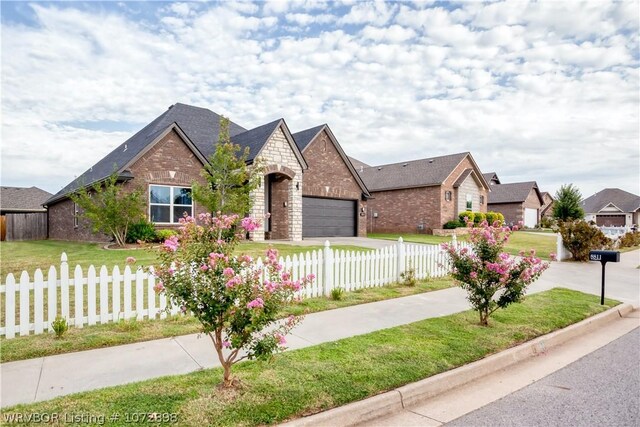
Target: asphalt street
pixel 600 389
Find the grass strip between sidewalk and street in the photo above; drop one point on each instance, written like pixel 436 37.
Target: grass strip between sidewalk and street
pixel 317 378
pixel 130 331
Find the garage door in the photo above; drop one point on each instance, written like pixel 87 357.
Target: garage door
pixel 530 217
pixel 610 220
pixel 328 217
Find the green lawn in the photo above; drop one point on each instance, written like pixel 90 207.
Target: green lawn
pixel 130 331
pixel 18 256
pixel 317 378
pixel 543 243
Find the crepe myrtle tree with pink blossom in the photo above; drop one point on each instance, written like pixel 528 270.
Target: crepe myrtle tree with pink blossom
pixel 492 278
pixel 236 301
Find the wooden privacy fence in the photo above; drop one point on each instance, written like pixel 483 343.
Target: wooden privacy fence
pixel 101 296
pixel 25 226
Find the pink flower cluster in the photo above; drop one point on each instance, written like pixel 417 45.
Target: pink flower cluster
pixel 256 303
pixel 214 257
pixel 250 224
pixel 171 244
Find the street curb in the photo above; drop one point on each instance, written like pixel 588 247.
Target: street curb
pixel 396 400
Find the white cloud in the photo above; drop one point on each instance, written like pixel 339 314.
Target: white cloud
pixel 511 82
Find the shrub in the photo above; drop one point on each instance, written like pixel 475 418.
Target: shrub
pixel 579 237
pixel 629 239
pixel 236 301
pixel 466 214
pixel 490 217
pixel 409 276
pixel 478 217
pixel 162 235
pixel 59 326
pixel 499 217
pixel 547 222
pixel 450 225
pixel 337 294
pixel 492 278
pixel 142 231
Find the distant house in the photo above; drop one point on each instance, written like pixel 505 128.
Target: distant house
pixel 491 178
pixel 167 156
pixel 546 210
pixel 519 201
pixel 22 214
pixel 422 195
pixel 612 207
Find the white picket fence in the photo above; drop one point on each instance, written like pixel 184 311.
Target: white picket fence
pixel 100 297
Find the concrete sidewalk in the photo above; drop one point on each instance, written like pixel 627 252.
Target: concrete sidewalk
pixel 45 378
pixel 48 377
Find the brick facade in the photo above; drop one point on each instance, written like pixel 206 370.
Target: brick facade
pixel 168 162
pixel 425 208
pixel 277 155
pixel 328 176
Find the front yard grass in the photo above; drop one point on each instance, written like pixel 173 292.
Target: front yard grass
pixel 317 378
pixel 130 331
pixel 543 243
pixel 29 255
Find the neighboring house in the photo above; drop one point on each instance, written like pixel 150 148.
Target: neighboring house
pixel 22 214
pixel 612 207
pixel 167 156
pixel 519 201
pixel 422 195
pixel 546 210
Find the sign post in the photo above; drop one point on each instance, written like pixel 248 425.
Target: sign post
pixel 604 257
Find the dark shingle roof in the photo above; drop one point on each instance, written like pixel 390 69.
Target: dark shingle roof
pixel 516 192
pixel 462 177
pixel 412 173
pixel 23 198
pixel 491 176
pixel 357 164
pixel 627 202
pixel 304 137
pixel 200 125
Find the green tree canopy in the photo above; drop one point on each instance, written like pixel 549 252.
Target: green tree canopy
pixel 567 207
pixel 229 179
pixel 110 207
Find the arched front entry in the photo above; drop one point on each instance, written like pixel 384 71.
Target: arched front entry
pixel 280 195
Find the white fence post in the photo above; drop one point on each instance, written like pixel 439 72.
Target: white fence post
pixel 10 307
pixel 64 287
pixel 400 259
pixel 327 268
pixel 454 241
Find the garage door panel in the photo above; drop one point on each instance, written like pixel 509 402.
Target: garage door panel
pixel 328 217
pixel 530 217
pixel 611 220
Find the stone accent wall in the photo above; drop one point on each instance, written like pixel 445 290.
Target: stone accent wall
pixel 329 176
pixel 401 211
pixel 168 162
pixel 277 155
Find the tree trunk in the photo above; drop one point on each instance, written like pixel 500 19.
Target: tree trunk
pixel 484 317
pixel 227 379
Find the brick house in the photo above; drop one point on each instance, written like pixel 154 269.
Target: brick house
pixel 519 201
pixel 546 211
pixel 167 155
pixel 422 195
pixel 612 207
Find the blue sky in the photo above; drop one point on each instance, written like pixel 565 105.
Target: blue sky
pixel 545 91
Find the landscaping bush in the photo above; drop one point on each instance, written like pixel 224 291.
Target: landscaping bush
pixel 59 326
pixel 162 235
pixel 337 294
pixel 450 225
pixel 499 217
pixel 142 231
pixel 228 294
pixel 491 277
pixel 491 217
pixel 466 214
pixel 547 222
pixel 478 217
pixel 580 237
pixel 629 240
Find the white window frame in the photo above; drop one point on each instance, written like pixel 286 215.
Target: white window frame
pixel 76 214
pixel 469 200
pixel 171 205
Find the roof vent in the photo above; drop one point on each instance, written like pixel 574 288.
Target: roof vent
pixel 170 107
pixel 361 168
pixel 430 160
pixel 405 165
pixel 125 148
pixel 380 168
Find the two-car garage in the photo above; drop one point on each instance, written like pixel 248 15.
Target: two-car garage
pixel 322 217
